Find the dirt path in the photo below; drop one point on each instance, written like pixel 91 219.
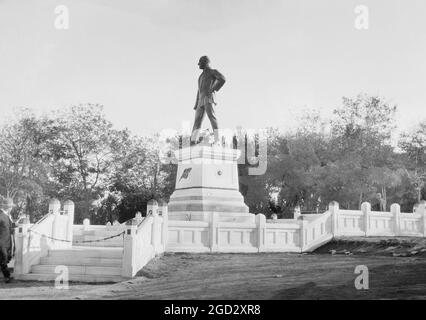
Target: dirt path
pixel 257 276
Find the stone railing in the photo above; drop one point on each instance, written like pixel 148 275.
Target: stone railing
pixel 316 230
pixel 53 231
pixel 144 239
pixel 219 236
pixel 365 222
pixel 304 233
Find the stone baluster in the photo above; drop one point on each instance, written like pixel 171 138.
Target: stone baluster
pixel 152 207
pixel 214 232
pixel 333 207
pixel 296 213
pixel 261 231
pixel 163 211
pixel 129 249
pixel 396 210
pixel 421 210
pixel 22 265
pixel 303 233
pixel 366 210
pixel 69 211
pixel 86 224
pixel 155 234
pixel 55 209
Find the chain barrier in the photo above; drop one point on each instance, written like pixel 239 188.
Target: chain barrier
pixel 79 241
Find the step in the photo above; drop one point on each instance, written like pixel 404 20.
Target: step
pixel 78 270
pixel 115 242
pixel 72 278
pixel 105 233
pixel 99 244
pixel 88 252
pixel 81 261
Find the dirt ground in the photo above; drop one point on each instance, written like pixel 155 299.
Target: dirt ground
pixel 396 271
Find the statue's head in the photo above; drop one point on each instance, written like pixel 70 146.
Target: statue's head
pixel 204 62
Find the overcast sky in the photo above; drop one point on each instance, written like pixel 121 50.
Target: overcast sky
pixel 139 58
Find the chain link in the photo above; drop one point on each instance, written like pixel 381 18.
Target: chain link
pixel 78 241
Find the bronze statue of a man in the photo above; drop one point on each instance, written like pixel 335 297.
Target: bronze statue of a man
pixel 209 82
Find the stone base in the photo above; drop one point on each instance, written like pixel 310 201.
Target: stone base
pixel 198 204
pixel 207 182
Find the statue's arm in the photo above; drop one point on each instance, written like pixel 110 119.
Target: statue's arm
pixel 219 80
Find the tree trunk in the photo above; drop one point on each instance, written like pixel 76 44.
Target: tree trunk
pixel 360 200
pixel 384 196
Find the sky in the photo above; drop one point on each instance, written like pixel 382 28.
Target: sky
pixel 139 58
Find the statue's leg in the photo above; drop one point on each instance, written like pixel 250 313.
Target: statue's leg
pixel 199 116
pixel 213 120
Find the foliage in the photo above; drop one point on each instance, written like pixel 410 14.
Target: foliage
pixel 76 153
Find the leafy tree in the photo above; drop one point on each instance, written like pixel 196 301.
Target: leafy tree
pixel 361 136
pixel 23 171
pixel 83 153
pixel 414 146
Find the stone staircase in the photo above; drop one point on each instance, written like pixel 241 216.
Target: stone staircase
pixel 84 263
pixel 56 249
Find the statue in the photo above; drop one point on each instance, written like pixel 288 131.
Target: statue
pixel 209 82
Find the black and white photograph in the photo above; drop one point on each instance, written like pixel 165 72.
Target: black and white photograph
pixel 224 152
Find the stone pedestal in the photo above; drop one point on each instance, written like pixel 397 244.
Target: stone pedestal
pixel 207 183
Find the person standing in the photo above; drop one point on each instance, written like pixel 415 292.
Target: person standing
pixel 380 204
pixel 6 237
pixel 209 82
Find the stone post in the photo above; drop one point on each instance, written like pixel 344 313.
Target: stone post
pixel 162 207
pixel 396 210
pixel 55 209
pixel 261 231
pixel 129 249
pixel 155 231
pixel 163 211
pixel 86 224
pixel 366 210
pixel 138 217
pixel 422 211
pixel 54 206
pixel 303 233
pixel 21 254
pixel 415 207
pixel 296 213
pixel 214 232
pixel 152 207
pixel 69 212
pixel 333 207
